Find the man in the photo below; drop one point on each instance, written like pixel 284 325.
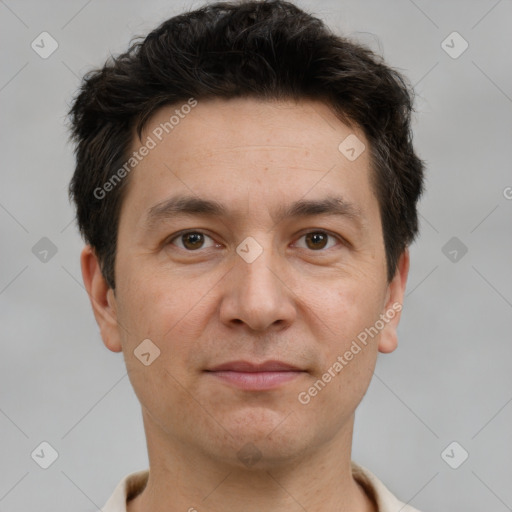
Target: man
pixel 247 187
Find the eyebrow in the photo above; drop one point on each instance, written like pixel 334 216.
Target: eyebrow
pixel 191 205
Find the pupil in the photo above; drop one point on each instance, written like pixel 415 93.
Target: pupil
pixel 193 240
pixel 315 238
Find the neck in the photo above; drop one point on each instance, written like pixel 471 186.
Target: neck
pixel 183 479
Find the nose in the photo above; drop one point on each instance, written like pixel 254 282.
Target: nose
pixel 257 295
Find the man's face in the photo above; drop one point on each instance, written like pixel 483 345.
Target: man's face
pixel 258 281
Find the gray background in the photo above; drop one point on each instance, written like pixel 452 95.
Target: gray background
pixel 450 378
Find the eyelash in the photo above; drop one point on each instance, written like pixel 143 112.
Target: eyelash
pixel 321 231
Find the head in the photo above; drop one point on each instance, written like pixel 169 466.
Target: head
pixel 285 152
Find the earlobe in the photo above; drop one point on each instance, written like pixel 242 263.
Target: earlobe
pixel 102 299
pixel 395 295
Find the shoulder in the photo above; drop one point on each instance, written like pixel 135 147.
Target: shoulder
pixel 129 486
pixel 385 499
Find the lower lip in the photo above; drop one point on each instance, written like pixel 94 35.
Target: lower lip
pixel 256 381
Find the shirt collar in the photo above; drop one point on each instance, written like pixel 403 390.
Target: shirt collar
pixel 134 483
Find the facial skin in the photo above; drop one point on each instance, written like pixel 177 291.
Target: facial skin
pixel 302 301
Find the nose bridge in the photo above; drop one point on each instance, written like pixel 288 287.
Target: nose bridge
pixel 258 258
pixel 256 295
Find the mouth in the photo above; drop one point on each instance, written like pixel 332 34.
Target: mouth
pixel 255 376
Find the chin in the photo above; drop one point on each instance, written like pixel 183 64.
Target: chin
pixel 262 438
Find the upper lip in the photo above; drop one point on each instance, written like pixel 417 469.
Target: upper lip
pixel 246 366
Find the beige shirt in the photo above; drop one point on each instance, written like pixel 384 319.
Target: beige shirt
pixel 134 483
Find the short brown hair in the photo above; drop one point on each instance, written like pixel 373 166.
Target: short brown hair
pixel 264 49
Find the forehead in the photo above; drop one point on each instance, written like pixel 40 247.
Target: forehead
pixel 241 123
pixel 250 148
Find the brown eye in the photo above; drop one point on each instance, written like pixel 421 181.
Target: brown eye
pixel 192 241
pixel 316 240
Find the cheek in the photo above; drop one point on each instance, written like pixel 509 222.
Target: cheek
pixel 349 353
pixel 350 306
pixel 170 312
pixel 150 310
pixel 149 304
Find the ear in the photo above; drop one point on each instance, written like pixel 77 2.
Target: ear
pixel 102 298
pixel 394 299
